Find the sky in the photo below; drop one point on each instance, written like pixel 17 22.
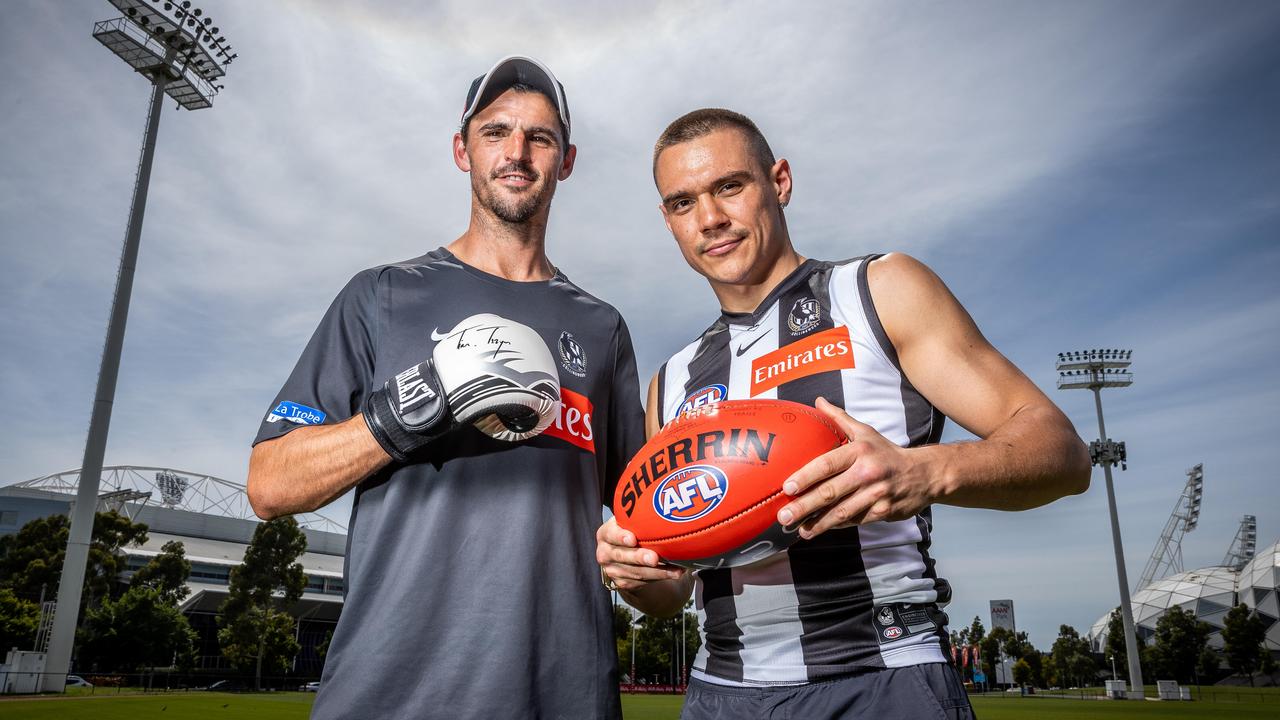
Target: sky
pixel 1086 174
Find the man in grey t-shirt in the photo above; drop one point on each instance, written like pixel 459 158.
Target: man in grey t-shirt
pixel 430 387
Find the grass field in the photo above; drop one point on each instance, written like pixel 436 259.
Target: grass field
pixel 296 706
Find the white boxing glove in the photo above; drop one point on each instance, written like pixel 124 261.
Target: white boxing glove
pixel 487 371
pixel 499 375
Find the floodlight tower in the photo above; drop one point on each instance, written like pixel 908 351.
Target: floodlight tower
pixel 1244 545
pixel 1166 557
pixel 181 53
pixel 1094 370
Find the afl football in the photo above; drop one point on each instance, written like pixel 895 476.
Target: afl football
pixel 705 491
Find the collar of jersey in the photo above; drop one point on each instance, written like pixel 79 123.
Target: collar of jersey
pixel 555 279
pixel 797 276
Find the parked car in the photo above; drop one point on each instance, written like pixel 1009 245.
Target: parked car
pixel 77 681
pixel 310 687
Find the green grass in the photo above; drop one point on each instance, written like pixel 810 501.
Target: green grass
pixel 297 706
pixel 171 706
pixel 651 707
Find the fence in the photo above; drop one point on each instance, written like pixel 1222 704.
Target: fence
pixel 1199 693
pixel 161 681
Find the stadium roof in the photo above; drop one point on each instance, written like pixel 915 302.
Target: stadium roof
pixel 175 490
pixel 221 552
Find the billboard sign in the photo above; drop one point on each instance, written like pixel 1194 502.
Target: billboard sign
pixel 1002 615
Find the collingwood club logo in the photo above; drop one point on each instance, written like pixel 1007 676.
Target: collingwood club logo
pixel 885 616
pixel 804 316
pixel 572 357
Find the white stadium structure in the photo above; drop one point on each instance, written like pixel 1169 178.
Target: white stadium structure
pixel 1243 576
pixel 1257 588
pixel 1208 593
pixel 213 520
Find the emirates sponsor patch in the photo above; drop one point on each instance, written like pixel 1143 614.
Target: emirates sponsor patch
pixel 828 350
pixel 573 423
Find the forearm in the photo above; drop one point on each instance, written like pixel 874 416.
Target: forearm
pixel 311 466
pixel 1032 459
pixel 660 598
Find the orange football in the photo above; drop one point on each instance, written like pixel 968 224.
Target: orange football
pixel 705 491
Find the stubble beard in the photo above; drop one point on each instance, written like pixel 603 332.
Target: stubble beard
pixel 515 209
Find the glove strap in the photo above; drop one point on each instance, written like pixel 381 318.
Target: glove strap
pixel 408 412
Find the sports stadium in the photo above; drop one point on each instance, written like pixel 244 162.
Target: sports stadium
pixel 1245 575
pixel 212 519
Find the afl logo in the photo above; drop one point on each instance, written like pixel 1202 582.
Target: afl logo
pixel 704 396
pixel 690 492
pixel 804 316
pixel 892 633
pixel 572 357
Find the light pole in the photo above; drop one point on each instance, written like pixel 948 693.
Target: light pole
pixel 181 54
pixel 684 660
pixel 1094 370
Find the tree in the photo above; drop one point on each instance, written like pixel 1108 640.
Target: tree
pixel 18 621
pixel 1208 667
pixel 658 646
pixel 167 573
pixel 31 558
pixel 1072 663
pixel 657 643
pixel 143 628
pixel 1035 660
pixel 990 647
pixel 976 631
pixel 622 622
pixel 1022 672
pixel 1178 643
pixel 256 630
pixel 323 648
pixel 1116 648
pixel 1018 645
pixel 111 531
pixel 1268 665
pixel 1000 643
pixel 1242 636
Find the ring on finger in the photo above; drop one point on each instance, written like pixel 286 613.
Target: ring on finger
pixel 608 582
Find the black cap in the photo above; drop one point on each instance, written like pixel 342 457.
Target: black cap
pixel 512 70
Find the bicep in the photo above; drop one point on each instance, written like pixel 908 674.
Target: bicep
pixel 942 351
pixel 652 413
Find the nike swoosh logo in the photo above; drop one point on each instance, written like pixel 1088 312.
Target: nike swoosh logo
pixel 436 336
pixel 743 348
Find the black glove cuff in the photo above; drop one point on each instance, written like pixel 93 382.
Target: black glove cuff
pixel 408 412
pixel 398 442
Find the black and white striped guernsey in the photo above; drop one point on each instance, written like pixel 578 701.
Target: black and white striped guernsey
pixel 851 599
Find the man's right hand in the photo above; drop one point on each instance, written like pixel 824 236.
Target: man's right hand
pixel 627 566
pixel 488 371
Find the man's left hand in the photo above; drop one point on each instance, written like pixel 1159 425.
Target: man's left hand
pixel 866 480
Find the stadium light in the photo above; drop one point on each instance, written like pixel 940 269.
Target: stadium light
pixel 1095 370
pixel 179 60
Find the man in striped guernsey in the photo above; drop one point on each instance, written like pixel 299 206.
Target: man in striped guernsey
pixel 848 621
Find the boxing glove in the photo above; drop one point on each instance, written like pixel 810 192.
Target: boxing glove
pixel 488 371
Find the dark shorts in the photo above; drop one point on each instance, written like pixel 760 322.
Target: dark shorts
pixel 918 692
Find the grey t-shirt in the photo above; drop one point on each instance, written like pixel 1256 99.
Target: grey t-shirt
pixel 472 589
